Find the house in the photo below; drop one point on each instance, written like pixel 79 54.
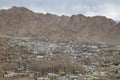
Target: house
pixel 72 77
pixel 43 78
pixel 9 74
pixel 100 73
pixel 39 57
pixel 20 68
pixel 52 76
pixel 20 75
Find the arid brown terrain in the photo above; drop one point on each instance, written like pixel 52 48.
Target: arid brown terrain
pixel 21 22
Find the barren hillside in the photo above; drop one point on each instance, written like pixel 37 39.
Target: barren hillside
pixel 21 22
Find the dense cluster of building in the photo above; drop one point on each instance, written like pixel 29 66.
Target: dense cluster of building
pixel 62 61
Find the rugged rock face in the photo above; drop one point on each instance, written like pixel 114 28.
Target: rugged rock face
pixel 113 35
pixel 24 22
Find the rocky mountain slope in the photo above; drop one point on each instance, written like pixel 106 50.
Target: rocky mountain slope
pixel 21 22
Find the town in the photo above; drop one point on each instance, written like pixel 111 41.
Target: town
pixel 33 59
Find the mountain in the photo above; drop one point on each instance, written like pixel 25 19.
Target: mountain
pixel 113 35
pixel 21 22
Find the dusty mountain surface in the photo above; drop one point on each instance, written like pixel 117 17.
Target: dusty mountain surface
pixel 113 35
pixel 21 22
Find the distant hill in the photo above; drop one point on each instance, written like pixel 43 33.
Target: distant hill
pixel 21 22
